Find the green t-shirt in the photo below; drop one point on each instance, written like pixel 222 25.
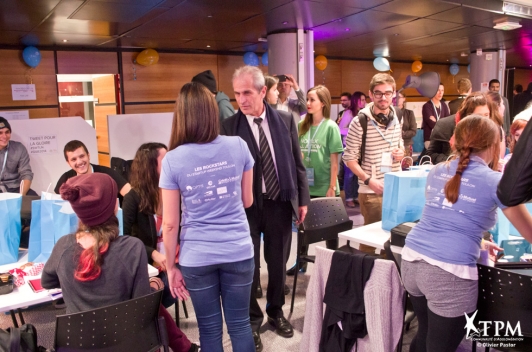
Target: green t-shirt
pixel 325 141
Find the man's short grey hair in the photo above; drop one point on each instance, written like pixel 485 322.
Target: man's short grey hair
pixel 256 75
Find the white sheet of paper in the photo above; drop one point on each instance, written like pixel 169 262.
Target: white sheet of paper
pixel 15 115
pixel 23 92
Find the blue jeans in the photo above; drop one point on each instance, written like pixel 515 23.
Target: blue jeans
pixel 231 281
pixel 350 184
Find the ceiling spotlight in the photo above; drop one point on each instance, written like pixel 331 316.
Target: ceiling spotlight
pixel 209 16
pixel 208 46
pixel 65 40
pixel 285 22
pixel 507 25
pixel 463 54
pixel 263 40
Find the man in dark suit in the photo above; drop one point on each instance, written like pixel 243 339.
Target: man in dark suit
pixel 280 189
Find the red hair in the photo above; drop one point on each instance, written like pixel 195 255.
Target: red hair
pixel 516 126
pixel 91 259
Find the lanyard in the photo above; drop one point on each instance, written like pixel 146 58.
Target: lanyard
pixel 436 110
pixel 382 135
pixel 4 164
pixel 311 138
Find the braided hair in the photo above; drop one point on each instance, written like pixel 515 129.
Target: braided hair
pixel 473 134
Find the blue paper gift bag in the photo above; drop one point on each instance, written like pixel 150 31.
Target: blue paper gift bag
pixel 403 198
pixel 42 234
pixel 10 227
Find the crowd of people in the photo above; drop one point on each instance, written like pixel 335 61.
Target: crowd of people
pixel 200 209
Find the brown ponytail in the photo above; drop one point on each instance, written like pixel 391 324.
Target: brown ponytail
pixel 473 134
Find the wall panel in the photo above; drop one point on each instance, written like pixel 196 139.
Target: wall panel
pixel 14 71
pixel 87 62
pixel 162 81
pixel 149 108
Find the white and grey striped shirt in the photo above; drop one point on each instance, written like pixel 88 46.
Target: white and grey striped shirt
pixel 375 145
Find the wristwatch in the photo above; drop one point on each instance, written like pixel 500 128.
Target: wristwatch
pixel 366 181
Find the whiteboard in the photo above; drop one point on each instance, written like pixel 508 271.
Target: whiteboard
pixel 129 131
pixel 48 163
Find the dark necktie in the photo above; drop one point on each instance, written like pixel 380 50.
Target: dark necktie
pixel 268 168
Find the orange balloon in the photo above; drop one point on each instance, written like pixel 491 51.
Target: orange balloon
pixel 147 57
pixel 321 62
pixel 416 66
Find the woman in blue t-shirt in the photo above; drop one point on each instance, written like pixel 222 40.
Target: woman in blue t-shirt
pixel 209 177
pixel 439 258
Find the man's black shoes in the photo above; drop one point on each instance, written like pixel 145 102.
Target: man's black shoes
pixel 257 341
pixel 282 326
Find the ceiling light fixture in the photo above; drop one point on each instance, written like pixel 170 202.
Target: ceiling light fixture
pixel 517 9
pixel 65 40
pixel 263 40
pixel 208 46
pixel 507 25
pixel 285 22
pixel 209 16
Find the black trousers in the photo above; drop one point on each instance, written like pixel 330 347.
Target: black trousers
pixel 275 222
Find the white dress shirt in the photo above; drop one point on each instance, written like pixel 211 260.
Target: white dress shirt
pixel 266 128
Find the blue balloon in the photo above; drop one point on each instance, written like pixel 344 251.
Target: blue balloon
pixel 251 59
pixel 469 68
pixel 381 64
pixel 265 59
pixel 31 56
pixel 454 69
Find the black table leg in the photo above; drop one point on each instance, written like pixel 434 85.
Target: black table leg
pixel 20 316
pixel 14 318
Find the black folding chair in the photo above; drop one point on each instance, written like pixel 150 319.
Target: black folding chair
pixel 132 325
pixel 326 217
pixel 504 295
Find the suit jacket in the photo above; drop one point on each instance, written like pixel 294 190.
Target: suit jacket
pixel 230 127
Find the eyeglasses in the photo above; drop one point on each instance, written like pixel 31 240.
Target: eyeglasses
pixel 378 95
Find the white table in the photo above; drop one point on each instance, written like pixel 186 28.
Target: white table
pixel 371 235
pixel 24 296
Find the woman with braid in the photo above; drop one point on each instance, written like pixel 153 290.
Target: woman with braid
pixel 440 255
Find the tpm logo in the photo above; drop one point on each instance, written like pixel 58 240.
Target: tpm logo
pixel 505 335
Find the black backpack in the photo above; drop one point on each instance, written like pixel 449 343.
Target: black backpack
pixel 23 339
pixel 363 119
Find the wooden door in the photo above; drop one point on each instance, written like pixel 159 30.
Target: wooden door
pixel 104 89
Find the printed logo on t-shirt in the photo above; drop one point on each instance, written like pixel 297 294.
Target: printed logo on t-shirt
pixel 221 190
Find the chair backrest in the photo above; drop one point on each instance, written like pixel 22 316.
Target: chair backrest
pixel 326 217
pixel 505 296
pixel 127 326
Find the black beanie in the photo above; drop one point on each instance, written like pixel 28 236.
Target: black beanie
pixel 4 124
pixel 207 79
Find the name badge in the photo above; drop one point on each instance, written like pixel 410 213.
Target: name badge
pixel 386 162
pixel 310 176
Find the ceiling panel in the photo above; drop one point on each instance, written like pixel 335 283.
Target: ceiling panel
pixel 24 15
pixel 363 22
pixel 415 7
pixel 434 30
pixel 124 11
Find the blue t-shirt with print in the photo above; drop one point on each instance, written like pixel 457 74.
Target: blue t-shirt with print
pixel 214 229
pixel 452 233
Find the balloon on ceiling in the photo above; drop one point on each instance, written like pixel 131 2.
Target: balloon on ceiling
pixel 264 59
pixel 321 62
pixel 147 57
pixel 416 66
pixel 381 64
pixel 31 56
pixel 251 59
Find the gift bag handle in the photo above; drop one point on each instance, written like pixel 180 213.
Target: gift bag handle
pixel 404 159
pixel 423 157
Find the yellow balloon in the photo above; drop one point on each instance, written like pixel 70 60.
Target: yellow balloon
pixel 321 62
pixel 416 66
pixel 147 57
